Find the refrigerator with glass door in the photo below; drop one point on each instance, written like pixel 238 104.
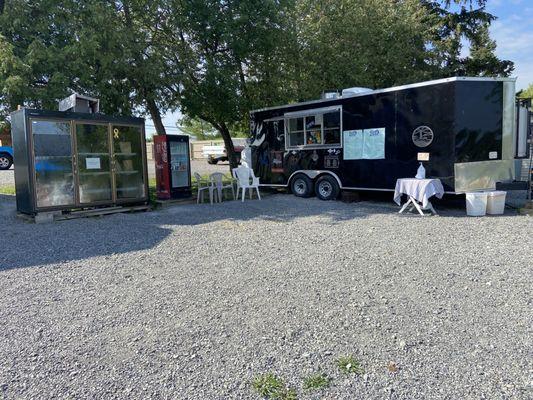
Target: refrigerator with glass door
pixel 173 166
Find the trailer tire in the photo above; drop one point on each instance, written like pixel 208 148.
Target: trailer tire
pixel 5 161
pixel 302 186
pixel 327 188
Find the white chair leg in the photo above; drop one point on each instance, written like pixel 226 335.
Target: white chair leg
pixel 211 195
pixel 243 194
pixel 198 196
pixel 251 192
pixel 258 194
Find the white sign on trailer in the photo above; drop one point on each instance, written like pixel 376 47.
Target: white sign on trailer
pixel 364 144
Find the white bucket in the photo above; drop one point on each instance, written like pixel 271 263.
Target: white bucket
pixel 476 204
pixel 496 202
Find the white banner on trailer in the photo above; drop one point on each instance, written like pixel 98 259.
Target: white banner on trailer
pixel 367 144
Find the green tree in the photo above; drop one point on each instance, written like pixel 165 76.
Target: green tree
pixel 218 59
pixel 196 127
pixel 372 43
pixel 482 60
pixel 455 22
pixel 50 48
pixel 379 43
pixel 526 93
pixel 230 57
pixel 34 63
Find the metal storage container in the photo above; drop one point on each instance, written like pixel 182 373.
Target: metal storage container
pixel 69 160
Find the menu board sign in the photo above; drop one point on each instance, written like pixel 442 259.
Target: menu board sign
pixel 364 144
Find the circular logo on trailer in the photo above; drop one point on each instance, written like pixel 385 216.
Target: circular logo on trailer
pixel 422 136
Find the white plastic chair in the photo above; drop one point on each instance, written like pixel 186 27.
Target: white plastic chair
pixel 203 186
pixel 235 181
pixel 217 181
pixel 244 175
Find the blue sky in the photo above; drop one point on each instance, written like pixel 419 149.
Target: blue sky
pixel 513 32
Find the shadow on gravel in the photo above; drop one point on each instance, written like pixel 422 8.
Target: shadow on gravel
pixel 27 244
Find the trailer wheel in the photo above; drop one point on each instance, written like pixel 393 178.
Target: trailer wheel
pixel 302 186
pixel 5 161
pixel 327 188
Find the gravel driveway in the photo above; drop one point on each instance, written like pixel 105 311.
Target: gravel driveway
pixel 193 302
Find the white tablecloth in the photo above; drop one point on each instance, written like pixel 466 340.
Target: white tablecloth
pixel 420 189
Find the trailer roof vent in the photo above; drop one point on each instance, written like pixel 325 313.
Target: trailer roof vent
pixel 355 90
pixel 330 94
pixel 80 103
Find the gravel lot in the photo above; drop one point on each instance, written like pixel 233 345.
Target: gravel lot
pixel 193 302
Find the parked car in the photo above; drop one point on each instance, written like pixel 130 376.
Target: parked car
pixel 6 157
pixel 214 154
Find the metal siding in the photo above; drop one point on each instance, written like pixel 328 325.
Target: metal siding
pixel 374 111
pixel 482 175
pixel 509 121
pixel 431 106
pixel 68 115
pixel 21 160
pixel 478 121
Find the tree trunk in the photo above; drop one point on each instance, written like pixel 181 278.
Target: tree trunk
pixel 228 143
pixel 156 117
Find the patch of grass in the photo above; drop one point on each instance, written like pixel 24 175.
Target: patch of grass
pixel 349 365
pixel 152 190
pixel 316 382
pixel 10 190
pixel 270 387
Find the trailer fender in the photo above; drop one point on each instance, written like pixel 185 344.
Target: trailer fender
pixel 314 173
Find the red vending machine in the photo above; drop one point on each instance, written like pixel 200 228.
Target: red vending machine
pixel 172 166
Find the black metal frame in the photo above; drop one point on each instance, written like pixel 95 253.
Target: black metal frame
pixel 25 163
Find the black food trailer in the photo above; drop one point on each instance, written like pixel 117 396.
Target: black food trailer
pixel 462 129
pixel 68 160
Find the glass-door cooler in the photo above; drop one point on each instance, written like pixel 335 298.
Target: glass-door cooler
pixel 173 166
pixel 69 161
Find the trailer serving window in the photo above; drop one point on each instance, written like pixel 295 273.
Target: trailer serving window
pixel 314 128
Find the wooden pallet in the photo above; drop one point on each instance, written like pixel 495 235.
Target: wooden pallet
pixel 175 202
pixel 51 216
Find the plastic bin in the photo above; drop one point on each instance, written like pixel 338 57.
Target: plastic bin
pixel 496 202
pixel 476 204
